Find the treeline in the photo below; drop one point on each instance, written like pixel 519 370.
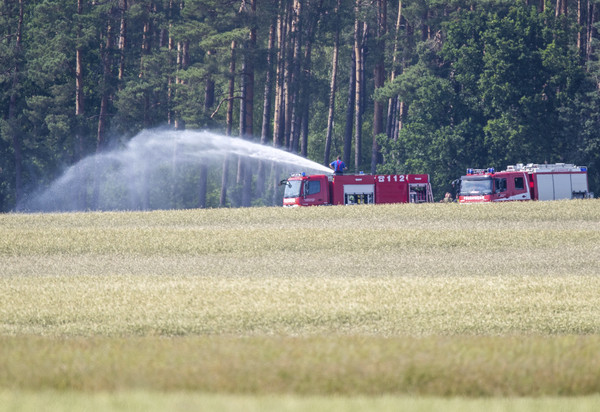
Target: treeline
pixel 399 86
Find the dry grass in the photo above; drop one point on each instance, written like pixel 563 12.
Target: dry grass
pixel 402 299
pixel 144 401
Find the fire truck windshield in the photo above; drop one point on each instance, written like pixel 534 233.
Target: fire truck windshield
pixel 292 188
pixel 480 185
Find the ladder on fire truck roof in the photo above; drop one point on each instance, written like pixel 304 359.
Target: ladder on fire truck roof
pixel 543 167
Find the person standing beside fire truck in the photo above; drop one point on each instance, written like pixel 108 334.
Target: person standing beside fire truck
pixel 338 166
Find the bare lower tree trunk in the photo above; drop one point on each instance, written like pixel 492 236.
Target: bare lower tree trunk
pixel 287 85
pixel 248 103
pixel 202 186
pixel 278 117
pixel 379 77
pixel 264 136
pixel 350 106
pixel 209 101
pixel 79 93
pixel 171 46
pixel 292 122
pixel 224 177
pixel 332 88
pixel 250 56
pixel 393 101
pixel 122 40
pixel 79 110
pixel 580 27
pixel 12 109
pixel 304 101
pixel 358 52
pixel 106 53
pixel 561 7
pixel 146 51
pixel 106 89
pixel 305 80
pixel 242 130
pixel 590 31
pixel 183 59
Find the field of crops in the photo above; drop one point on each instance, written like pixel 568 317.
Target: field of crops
pixel 417 307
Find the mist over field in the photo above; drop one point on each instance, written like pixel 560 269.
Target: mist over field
pixel 157 169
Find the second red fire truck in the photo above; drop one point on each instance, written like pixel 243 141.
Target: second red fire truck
pixel 524 182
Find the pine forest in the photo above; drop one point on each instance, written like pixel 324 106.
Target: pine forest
pixel 392 86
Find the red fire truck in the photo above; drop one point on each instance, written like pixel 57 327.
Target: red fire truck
pixel 524 182
pixel 314 190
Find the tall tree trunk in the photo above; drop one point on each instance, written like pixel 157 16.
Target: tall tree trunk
pixel 79 109
pixel 287 84
pixel 242 119
pixel 278 117
pixel 358 52
pixel 264 136
pixel 590 30
pixel 250 57
pixel 393 101
pixel 266 118
pixel 332 87
pixel 145 42
pixel 106 84
pixel 224 177
pixel 292 124
pixel 350 106
pixel 209 101
pixel 580 27
pixel 79 93
pixel 248 103
pixel 12 108
pixel 402 105
pixel 183 59
pixel 379 77
pixel 305 79
pixel 106 92
pixel 202 186
pixel 146 51
pixel 300 128
pixel 209 94
pixel 425 29
pixel 561 7
pixel 171 46
pixel 122 41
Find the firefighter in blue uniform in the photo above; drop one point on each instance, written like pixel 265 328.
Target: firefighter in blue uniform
pixel 338 166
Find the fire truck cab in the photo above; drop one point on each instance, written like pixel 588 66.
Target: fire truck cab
pixel 315 190
pixel 524 182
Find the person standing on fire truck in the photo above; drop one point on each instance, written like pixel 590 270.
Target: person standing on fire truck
pixel 338 166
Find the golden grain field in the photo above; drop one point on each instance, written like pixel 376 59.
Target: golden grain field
pixel 389 300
